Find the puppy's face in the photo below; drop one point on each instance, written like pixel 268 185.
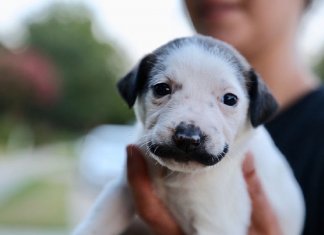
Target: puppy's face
pixel 194 102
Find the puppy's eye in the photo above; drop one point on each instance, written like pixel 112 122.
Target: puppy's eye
pixel 161 89
pixel 230 99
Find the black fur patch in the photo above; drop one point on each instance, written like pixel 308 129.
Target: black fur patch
pixel 200 155
pixel 135 81
pixel 263 105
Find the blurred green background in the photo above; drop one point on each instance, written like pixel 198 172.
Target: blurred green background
pixel 55 87
pixel 61 81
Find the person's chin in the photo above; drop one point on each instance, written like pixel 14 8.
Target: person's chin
pixel 230 36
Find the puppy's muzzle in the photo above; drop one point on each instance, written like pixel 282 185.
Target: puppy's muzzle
pixel 188 144
pixel 188 137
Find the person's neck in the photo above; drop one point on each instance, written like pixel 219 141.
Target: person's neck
pixel 286 76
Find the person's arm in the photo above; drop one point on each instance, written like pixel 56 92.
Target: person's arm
pixel 151 209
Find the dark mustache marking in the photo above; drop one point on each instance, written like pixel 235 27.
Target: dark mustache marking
pixel 200 155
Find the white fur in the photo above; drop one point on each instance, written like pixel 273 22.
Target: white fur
pixel 204 200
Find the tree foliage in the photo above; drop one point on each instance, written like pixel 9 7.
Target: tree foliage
pixel 88 68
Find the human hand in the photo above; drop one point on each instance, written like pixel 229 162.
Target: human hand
pixel 151 209
pixel 148 205
pixel 263 218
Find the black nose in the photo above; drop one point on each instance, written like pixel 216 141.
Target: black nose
pixel 187 137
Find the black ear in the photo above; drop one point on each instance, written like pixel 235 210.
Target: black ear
pixel 134 82
pixel 263 105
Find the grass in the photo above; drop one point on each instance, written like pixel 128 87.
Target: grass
pixel 40 203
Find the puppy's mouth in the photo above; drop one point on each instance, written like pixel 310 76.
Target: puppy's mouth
pixel 199 155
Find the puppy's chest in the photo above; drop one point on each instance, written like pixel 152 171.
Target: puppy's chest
pixel 205 204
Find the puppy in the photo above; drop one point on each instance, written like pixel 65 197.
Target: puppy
pixel 200 108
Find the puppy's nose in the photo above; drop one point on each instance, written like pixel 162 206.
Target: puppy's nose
pixel 187 137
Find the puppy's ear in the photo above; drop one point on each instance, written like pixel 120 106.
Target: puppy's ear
pixel 263 105
pixel 134 82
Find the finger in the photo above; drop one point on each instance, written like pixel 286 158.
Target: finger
pixel 139 180
pixel 251 178
pixel 263 218
pixel 137 172
pixel 148 205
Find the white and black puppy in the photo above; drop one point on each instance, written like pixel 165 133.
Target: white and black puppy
pixel 200 108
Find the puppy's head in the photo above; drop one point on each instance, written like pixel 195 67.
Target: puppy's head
pixel 195 97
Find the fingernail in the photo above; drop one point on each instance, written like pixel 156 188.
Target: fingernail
pixel 248 165
pixel 130 153
pixel 129 149
pixel 133 154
